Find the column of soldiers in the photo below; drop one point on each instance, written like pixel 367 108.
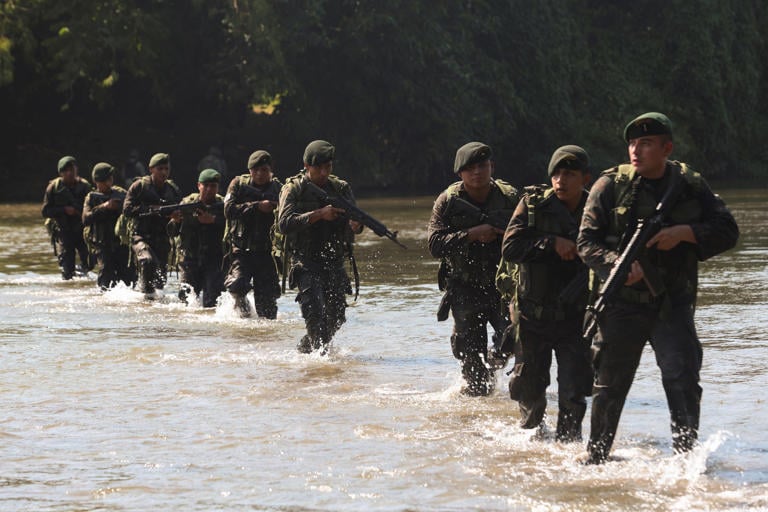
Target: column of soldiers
pixel 528 262
pixel 235 243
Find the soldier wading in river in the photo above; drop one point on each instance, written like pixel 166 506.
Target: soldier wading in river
pixel 551 295
pixel 150 241
pixel 319 240
pixel 465 230
pixel 658 298
pixel 249 207
pixel 63 211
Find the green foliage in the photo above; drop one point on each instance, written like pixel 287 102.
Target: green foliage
pixel 396 85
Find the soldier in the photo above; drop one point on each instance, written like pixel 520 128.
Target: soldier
pixel 100 213
pixel 551 295
pixel 200 233
pixel 658 299
pixel 249 208
pixel 63 210
pixel 319 238
pixel 465 230
pixel 150 242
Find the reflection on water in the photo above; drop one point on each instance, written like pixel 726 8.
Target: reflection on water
pixel 112 403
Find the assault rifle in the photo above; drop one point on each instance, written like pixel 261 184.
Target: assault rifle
pixel 354 213
pixel 106 197
pixel 253 194
pixel 165 210
pixel 497 219
pixel 645 230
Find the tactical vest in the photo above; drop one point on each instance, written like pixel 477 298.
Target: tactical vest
pixel 664 268
pixel 199 241
pixel 327 242
pixel 476 264
pixel 101 234
pixel 540 284
pixel 152 226
pixel 255 234
pixel 66 196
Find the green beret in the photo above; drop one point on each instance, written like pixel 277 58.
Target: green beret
pixel 209 176
pixel 259 158
pixel 318 152
pixel 470 154
pixel 102 171
pixel 650 123
pixel 160 158
pixel 66 161
pixel 570 157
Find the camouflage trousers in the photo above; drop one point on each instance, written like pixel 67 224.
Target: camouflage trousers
pixel 254 271
pixel 151 262
pixel 473 309
pixel 617 347
pixel 537 340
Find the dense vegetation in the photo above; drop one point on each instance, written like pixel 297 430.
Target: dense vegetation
pixel 396 85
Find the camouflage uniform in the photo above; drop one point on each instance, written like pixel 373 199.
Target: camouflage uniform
pixel 617 199
pixel 113 257
pixel 548 320
pixel 468 276
pixel 150 241
pixel 200 253
pixel 67 230
pixel 317 252
pixel 251 265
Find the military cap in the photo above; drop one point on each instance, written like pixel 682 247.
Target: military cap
pixel 650 123
pixel 318 152
pixel 102 171
pixel 259 158
pixel 570 157
pixel 470 154
pixel 66 161
pixel 209 176
pixel 160 158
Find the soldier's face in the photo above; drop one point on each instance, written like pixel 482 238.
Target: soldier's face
pixel 477 176
pixel 68 174
pixel 104 186
pixel 160 173
pixel 648 155
pixel 208 191
pixel 318 174
pixel 261 175
pixel 569 184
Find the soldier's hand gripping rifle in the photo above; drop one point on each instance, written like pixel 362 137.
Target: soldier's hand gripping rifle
pixel 354 213
pixel 645 230
pixel 498 219
pixel 253 196
pixel 168 209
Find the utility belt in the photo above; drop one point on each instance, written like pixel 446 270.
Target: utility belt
pixel 537 311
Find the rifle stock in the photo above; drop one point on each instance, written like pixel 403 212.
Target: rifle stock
pixel 497 221
pixel 355 213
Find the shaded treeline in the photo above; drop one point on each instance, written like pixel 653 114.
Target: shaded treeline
pixel 396 85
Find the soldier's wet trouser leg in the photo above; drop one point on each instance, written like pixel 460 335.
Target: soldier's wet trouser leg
pixel 574 377
pixel 266 286
pixel 212 283
pixel 106 277
pixel 624 330
pixel 65 248
pixel 679 357
pixel 313 310
pixel 530 375
pixel 150 266
pixel 469 343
